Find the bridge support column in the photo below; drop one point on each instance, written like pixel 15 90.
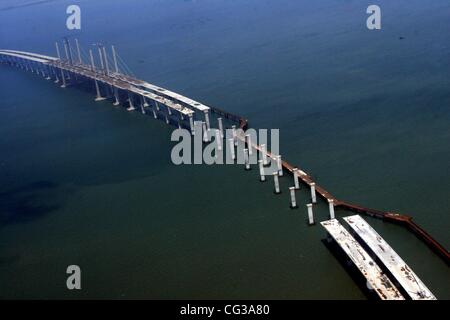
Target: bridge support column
pixel 142 105
pixel 220 124
pixel 231 145
pixel 116 96
pixel 331 207
pixel 191 124
pixel 310 214
pixel 219 140
pixel 295 174
pixel 280 166
pixel 48 73
pixel 208 126
pixel 63 79
pixel 233 128
pixel 97 89
pixel 144 101
pixel 261 171
pixel 264 154
pixel 276 183
pixel 154 114
pixel 130 102
pixel 55 73
pixel 167 117
pixel 205 132
pixel 313 193
pixel 157 105
pixel 293 200
pixel 246 159
pixel 248 139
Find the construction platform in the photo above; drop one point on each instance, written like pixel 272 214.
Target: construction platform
pixel 376 278
pixel 394 264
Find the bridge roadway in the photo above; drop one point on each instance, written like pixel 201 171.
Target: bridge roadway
pixel 400 271
pixel 120 84
pixel 377 280
pixel 116 80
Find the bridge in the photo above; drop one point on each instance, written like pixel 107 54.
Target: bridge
pixel 111 80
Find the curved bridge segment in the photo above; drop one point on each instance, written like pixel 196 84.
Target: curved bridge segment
pixel 175 109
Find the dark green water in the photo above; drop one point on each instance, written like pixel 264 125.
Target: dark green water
pixel 365 112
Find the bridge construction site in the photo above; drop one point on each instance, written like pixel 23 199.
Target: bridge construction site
pixel 385 272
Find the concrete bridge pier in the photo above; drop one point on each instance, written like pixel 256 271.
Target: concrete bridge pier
pixel 248 139
pixel 208 125
pixel 30 64
pixel 116 96
pixel 205 132
pixel 97 89
pixel 179 121
pixel 293 200
pixel 295 174
pixel 220 125
pixel 130 102
pixel 142 105
pixel 145 102
pixel 41 70
pixel 310 214
pixel 232 151
pixel 279 165
pixel 331 208
pixel 313 192
pixel 63 79
pixel 48 72
pixel 246 159
pixel 55 73
pixel 233 128
pixel 191 124
pixel 264 154
pixel 276 183
pixel 155 115
pixel 262 177
pixel 167 114
pixel 218 139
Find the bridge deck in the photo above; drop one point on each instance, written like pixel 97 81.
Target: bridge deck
pixel 87 72
pixel 30 54
pixel 140 83
pixel 16 55
pixel 369 269
pixel 415 288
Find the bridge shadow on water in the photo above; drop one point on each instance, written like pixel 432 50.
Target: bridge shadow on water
pixel 27 203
